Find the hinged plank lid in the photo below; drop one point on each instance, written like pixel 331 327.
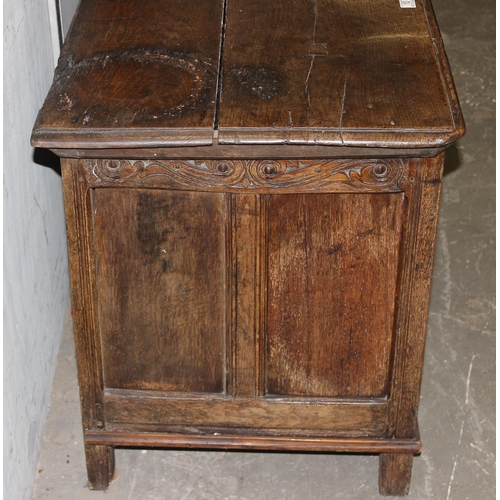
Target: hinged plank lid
pixel 149 73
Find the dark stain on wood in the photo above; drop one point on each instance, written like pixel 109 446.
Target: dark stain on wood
pixel 151 231
pixel 183 91
pixel 334 249
pixel 264 83
pixel 144 71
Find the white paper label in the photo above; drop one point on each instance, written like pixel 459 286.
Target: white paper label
pixel 407 4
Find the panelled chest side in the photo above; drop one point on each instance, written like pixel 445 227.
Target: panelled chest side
pixel 251 223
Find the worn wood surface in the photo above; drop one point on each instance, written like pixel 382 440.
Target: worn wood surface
pixel 82 264
pixel 161 289
pixel 100 460
pixel 264 176
pixel 250 151
pixel 424 190
pixel 341 73
pixel 246 286
pixel 331 293
pixel 305 286
pixel 136 72
pixel 235 441
pixel 310 72
pixel 82 261
pixel 395 474
pixel 361 417
pixel 251 222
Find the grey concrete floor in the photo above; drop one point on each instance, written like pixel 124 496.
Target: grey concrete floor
pixel 457 411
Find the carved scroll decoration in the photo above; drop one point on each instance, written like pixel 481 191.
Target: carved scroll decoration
pixel 380 175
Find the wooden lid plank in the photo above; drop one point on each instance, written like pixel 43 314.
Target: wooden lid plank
pixel 149 74
pixel 135 73
pixel 338 72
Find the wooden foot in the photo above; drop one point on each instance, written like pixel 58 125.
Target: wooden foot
pixel 100 465
pixel 395 474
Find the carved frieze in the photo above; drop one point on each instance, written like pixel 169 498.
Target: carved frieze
pixel 381 175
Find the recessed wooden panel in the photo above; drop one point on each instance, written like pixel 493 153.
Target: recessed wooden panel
pixel 332 270
pixel 160 258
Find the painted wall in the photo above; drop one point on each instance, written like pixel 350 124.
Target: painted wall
pixel 36 284
pixel 68 9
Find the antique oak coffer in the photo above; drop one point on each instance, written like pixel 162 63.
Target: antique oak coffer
pixel 251 194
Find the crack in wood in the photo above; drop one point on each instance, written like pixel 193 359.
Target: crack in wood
pixel 342 111
pixel 218 91
pixel 307 91
pixel 312 55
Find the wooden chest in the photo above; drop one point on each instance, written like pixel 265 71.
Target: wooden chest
pixel 251 193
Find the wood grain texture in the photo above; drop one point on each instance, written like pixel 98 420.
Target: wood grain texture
pixel 331 293
pixel 364 73
pixel 252 176
pixel 423 193
pixel 239 151
pixel 303 72
pixel 79 210
pixel 395 474
pixel 446 75
pixel 259 223
pixel 364 417
pixel 237 442
pixel 100 460
pixel 251 222
pixel 161 289
pixel 135 72
pixel 246 293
